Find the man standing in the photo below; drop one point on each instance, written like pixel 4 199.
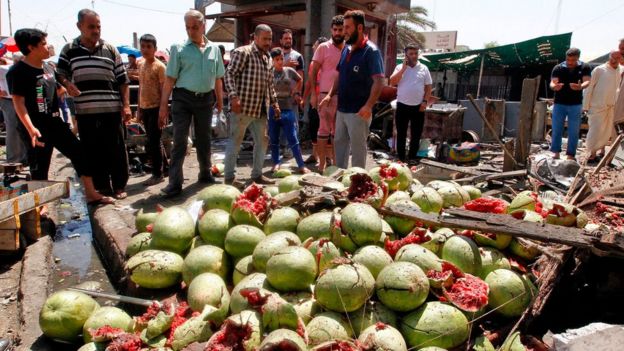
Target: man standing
pixel 599 102
pixel 619 105
pixel 193 74
pixel 93 73
pixel 568 80
pixel 16 148
pixel 151 80
pixel 292 58
pixel 359 83
pixel 249 82
pixel 323 67
pixel 414 88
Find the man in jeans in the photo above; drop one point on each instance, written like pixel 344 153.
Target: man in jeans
pixel 568 79
pixel 414 88
pixel 151 80
pixel 359 83
pixel 249 82
pixel 193 74
pixel 16 149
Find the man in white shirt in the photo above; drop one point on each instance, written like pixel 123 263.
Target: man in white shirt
pixel 16 149
pixel 414 89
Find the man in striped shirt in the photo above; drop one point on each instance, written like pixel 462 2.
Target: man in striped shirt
pixel 249 83
pixel 93 73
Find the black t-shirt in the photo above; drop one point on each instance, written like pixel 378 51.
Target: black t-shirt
pixel 567 96
pixel 37 86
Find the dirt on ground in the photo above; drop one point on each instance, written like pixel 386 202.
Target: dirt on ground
pixel 10 270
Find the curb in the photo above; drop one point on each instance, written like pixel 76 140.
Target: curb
pixel 33 289
pixel 111 235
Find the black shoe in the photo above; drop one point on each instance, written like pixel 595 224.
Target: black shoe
pixel 170 192
pixel 206 180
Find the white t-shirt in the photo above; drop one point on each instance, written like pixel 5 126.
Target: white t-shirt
pixel 4 69
pixel 411 90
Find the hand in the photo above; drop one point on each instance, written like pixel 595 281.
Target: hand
pixel 60 92
pixel 292 63
pixel 557 86
pixel 422 107
pixel 236 105
pixel 3 93
pixel 313 100
pixel 34 138
pixel 406 62
pixel 219 105
pixel 163 116
pixel 126 113
pixel 366 112
pixel 576 86
pixel 325 101
pixel 298 99
pixel 277 113
pixel 72 90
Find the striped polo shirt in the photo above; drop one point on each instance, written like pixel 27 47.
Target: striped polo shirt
pixel 97 73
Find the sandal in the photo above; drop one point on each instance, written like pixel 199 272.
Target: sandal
pixel 303 170
pixel 275 168
pixel 104 200
pixel 120 195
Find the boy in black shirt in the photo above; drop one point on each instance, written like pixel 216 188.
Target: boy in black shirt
pixel 568 80
pixel 33 86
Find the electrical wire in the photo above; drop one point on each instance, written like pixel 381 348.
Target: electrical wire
pixel 142 8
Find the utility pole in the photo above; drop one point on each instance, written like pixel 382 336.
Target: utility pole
pixel 10 22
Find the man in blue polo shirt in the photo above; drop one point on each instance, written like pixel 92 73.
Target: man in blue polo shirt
pixel 194 74
pixel 568 80
pixel 359 83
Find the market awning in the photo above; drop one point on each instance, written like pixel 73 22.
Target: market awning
pixel 537 51
pixel 222 30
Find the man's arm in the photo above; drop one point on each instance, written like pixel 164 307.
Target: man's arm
pixel 396 77
pixel 425 103
pixel 219 94
pixel 366 111
pixel 124 89
pixel 333 91
pixel 590 90
pixel 21 111
pixel 163 112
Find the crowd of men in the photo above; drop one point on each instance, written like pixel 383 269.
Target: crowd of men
pixel 265 90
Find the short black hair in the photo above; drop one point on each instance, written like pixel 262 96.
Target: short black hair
pixel 261 28
pixel 357 16
pixel 286 31
pixel 28 37
pixel 86 12
pixel 222 49
pixel 276 52
pixel 412 46
pixel 573 52
pixel 337 20
pixel 132 55
pixel 148 38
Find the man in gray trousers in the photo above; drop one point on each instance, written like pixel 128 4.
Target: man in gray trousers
pixel 194 75
pixel 359 83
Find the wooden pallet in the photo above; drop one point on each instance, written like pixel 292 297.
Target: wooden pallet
pixel 21 214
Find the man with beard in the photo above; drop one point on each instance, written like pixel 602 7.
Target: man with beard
pixel 324 63
pixel 358 85
pixel 292 58
pixel 249 83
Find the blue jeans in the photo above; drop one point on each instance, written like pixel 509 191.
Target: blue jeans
pixel 287 123
pixel 559 114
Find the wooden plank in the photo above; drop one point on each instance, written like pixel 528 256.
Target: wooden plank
pixel 525 122
pixel 487 123
pixel 490 177
pixel 9 232
pixel 31 224
pixel 448 167
pixel 505 224
pixel 46 191
pixel 508 160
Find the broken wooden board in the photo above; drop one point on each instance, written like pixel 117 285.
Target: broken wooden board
pixel 320 181
pixel 530 88
pixel 489 177
pixel 448 167
pixel 505 224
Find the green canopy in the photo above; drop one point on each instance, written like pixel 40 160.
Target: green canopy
pixel 537 51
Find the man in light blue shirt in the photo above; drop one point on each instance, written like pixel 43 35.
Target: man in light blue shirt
pixel 194 75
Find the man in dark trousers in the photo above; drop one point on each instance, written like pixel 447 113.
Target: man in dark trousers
pixel 93 73
pixel 414 88
pixel 194 75
pixel 359 83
